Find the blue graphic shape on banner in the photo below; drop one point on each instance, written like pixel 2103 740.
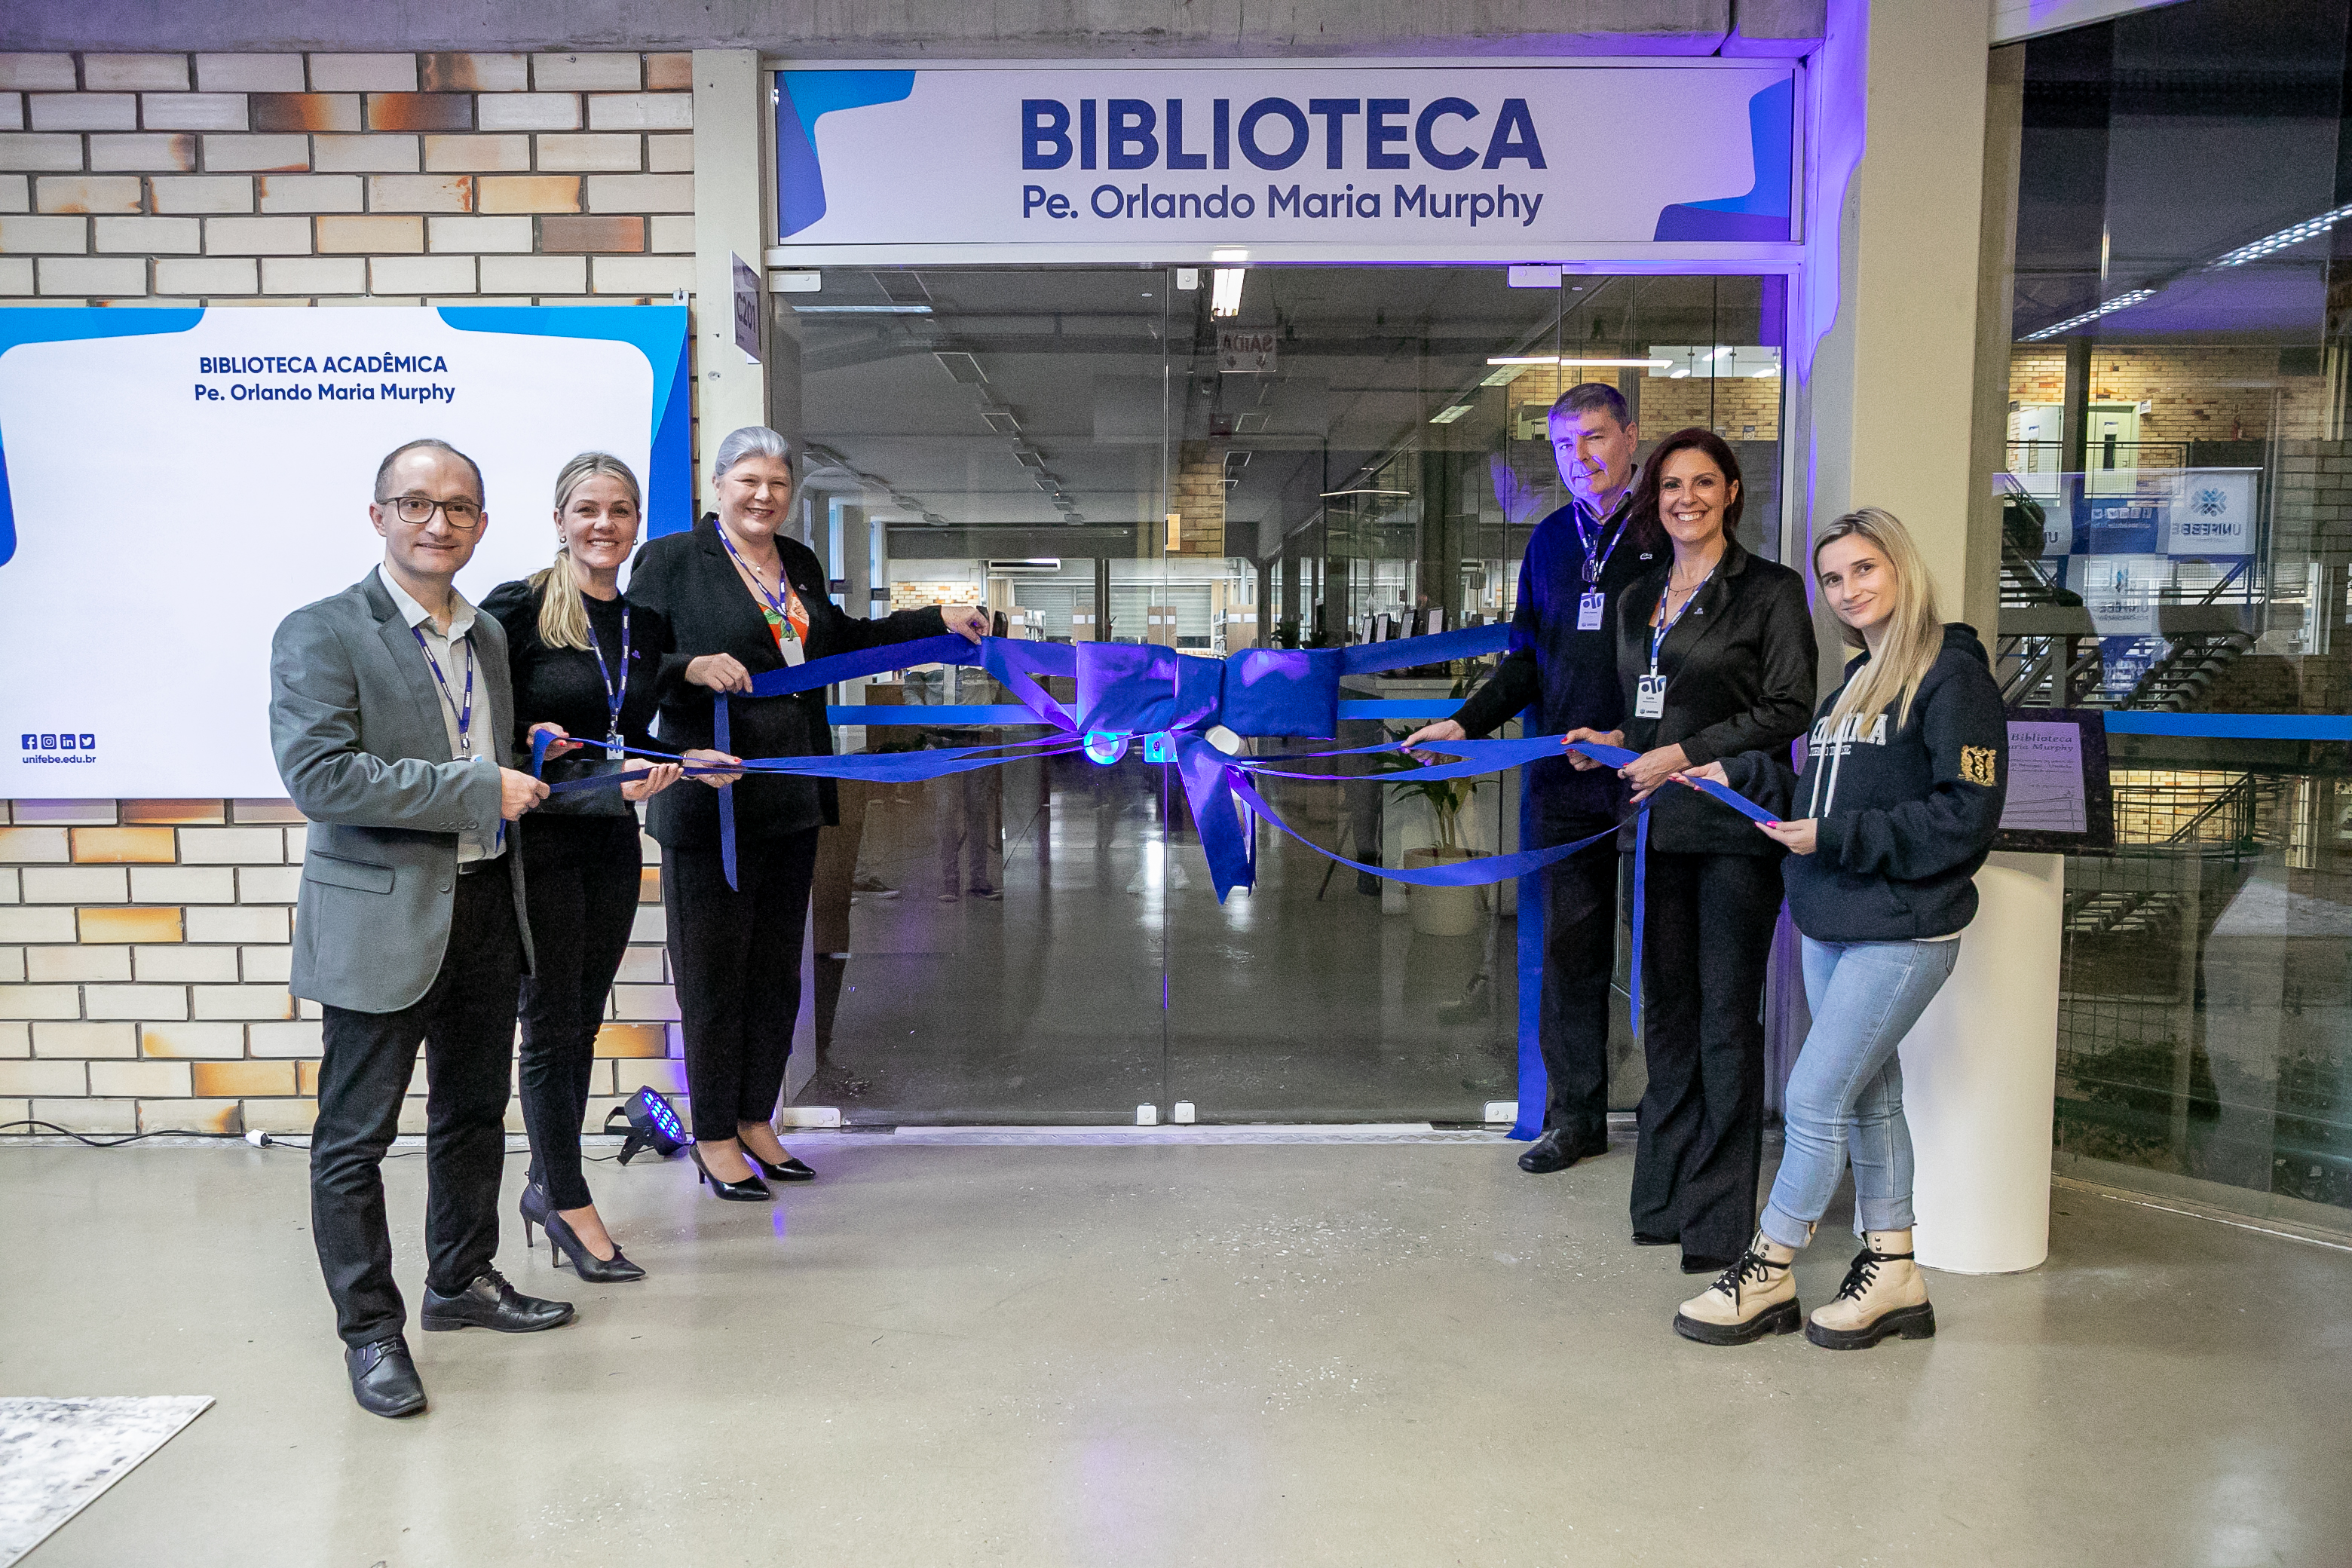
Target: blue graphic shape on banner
pixel 656 332
pixel 1763 213
pixel 802 99
pixel 65 325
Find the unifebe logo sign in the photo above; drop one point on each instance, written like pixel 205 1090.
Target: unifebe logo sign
pixel 1523 159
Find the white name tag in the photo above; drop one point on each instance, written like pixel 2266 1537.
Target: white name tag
pixel 1650 697
pixel 1588 610
pixel 794 654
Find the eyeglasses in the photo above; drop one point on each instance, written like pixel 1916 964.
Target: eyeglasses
pixel 462 514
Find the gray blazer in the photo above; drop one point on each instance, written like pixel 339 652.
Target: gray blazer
pixel 355 723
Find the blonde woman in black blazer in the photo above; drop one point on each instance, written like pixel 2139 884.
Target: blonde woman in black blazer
pixel 741 598
pixel 1718 657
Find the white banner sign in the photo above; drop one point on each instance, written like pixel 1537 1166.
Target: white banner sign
pixel 1428 159
pixel 177 480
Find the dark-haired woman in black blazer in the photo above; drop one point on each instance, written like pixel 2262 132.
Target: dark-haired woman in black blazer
pixel 1718 657
pixel 742 600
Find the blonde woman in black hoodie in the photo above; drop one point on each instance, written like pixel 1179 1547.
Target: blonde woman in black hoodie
pixel 1901 795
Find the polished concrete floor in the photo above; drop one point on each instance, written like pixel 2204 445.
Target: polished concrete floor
pixel 1328 1353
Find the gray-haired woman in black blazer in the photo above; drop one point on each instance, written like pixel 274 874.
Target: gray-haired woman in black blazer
pixel 1718 657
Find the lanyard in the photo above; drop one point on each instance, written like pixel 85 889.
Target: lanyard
pixel 1596 562
pixel 464 714
pixel 779 601
pixel 615 691
pixel 1666 622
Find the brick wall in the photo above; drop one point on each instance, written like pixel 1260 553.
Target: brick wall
pixel 333 178
pixel 1200 498
pixel 2194 391
pixel 144 944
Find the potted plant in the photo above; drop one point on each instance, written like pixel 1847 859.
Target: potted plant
pixel 1441 912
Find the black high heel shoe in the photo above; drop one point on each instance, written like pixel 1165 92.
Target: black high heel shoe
pixel 750 1189
pixel 564 1242
pixel 534 1211
pixel 791 1169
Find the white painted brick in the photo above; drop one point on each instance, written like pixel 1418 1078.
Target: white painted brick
pixel 249 73
pixel 29 922
pixel 12 971
pixel 258 154
pixel 135 73
pixel 649 924
pixel 190 1116
pixel 245 811
pixel 184 966
pixel 669 154
pixel 39 1002
pixel 68 813
pixel 674 234
pixel 199 1042
pixel 640 193
pixel 56 1041
pixel 535 274
pixel 363 73
pixel 630 1074
pixel 12 111
pixel 90 1115
pixel 291 1118
pixel 86 278
pixel 578 72
pixel 180 884
pixel 155 1078
pixel 271 884
pixel 232 845
pixel 267 965
pixel 642 966
pixel 642 1003
pixel 641 111
pixel 368 154
pixel 193 112
pixel 644 274
pixel 82 961
pixel 202 193
pixel 43 1078
pixel 150 151
pixel 16 274
pixel 26 150
pixel 420 194
pixel 312 193
pixel 240 922
pixel 254 237
pixel 34 844
pixel 149 236
pixel 45 236
pixel 8 893
pixel 298 838
pixel 159 1002
pixel 479 234
pixel 242 1001
pixel 16 1040
pixel 314 275
pixel 604 153
pixel 527 112
pixel 74 884
pixel 85 112
pixel 423 274
pixel 212 276
pixel 298 1039
pixel 69 194
pixel 16 194
pixel 36 73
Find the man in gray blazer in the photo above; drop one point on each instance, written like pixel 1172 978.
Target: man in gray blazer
pixel 389 710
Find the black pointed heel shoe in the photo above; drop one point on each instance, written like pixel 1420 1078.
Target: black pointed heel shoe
pixel 564 1242
pixel 532 1206
pixel 750 1189
pixel 791 1169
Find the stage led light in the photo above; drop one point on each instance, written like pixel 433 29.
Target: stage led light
pixel 653 1124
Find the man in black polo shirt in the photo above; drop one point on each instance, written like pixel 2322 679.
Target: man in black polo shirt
pixel 1562 661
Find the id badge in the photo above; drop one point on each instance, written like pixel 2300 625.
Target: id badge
pixel 794 654
pixel 613 751
pixel 1588 610
pixel 1650 697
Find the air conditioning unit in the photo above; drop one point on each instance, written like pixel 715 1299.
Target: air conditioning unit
pixel 1036 566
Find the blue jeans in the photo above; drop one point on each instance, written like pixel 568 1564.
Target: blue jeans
pixel 1845 1096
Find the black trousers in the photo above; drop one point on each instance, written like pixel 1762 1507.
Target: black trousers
pixel 466 1022
pixel 736 958
pixel 1580 940
pixel 1708 933
pixel 581 886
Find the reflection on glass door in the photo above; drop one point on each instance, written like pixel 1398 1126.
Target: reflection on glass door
pixel 1208 458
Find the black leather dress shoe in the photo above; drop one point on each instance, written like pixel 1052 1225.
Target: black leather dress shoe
pixel 1557 1150
pixel 383 1380
pixel 490 1302
pixel 1651 1238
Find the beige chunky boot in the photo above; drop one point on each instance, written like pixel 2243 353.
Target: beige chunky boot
pixel 1755 1297
pixel 1883 1294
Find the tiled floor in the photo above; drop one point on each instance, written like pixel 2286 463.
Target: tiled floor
pixel 1139 1356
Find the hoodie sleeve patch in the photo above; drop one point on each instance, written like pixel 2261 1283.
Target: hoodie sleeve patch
pixel 1977 765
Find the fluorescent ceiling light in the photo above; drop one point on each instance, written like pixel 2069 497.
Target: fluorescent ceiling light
pixel 1228 254
pixel 1335 495
pixel 1225 292
pixel 2295 233
pixel 1679 374
pixel 1564 359
pixel 2120 302
pixel 863 310
pixel 1448 416
pixel 1503 377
